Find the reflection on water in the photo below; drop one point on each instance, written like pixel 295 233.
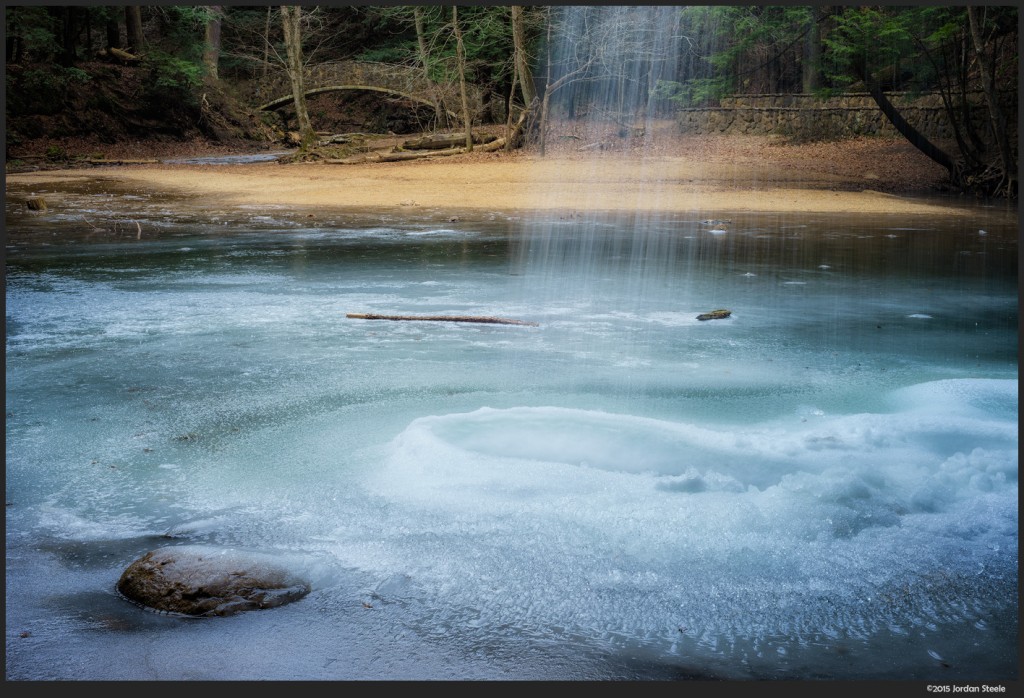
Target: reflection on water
pixel 822 485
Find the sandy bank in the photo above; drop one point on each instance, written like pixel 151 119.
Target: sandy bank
pixel 729 176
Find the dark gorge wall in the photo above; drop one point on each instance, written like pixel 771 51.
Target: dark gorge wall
pixel 805 116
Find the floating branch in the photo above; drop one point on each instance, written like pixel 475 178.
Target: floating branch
pixel 100 161
pixel 442 318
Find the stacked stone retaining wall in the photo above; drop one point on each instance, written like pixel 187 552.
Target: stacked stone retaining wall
pixel 806 116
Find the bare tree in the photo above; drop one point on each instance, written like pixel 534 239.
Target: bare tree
pixel 113 29
pixel 133 23
pixel 291 18
pixel 995 112
pixel 522 58
pixel 211 48
pixel 421 39
pixel 460 53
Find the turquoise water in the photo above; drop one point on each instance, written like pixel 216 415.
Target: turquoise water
pixel 822 485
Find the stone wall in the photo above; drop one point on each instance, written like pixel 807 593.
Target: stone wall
pixel 805 116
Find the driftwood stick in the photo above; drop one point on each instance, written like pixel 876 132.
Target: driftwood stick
pixel 97 161
pixel 443 318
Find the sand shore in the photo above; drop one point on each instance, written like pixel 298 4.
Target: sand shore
pixel 702 176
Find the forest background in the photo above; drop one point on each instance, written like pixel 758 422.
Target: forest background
pixel 85 81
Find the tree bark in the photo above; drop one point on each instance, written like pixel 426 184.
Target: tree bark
pixel 443 141
pixel 211 49
pixel 418 154
pixel 11 16
pixel 88 31
pixel 402 156
pixel 123 56
pixel 421 39
pixel 460 52
pixel 266 45
pixel 996 118
pixel 543 120
pixel 421 48
pixel 133 24
pixel 113 29
pixel 69 42
pixel 522 60
pixel 290 19
pixel 916 138
pixel 812 53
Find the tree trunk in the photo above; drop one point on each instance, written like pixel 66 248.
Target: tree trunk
pixel 133 24
pixel 88 31
pixel 421 39
pixel 996 118
pixel 916 138
pixel 211 49
pixel 522 60
pixel 69 42
pixel 11 16
pixel 548 89
pixel 460 52
pixel 812 53
pixel 421 48
pixel 508 106
pixel 113 29
pixel 290 20
pixel 266 45
pixel 543 126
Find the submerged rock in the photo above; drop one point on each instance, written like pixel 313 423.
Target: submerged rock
pixel 205 581
pixel 715 315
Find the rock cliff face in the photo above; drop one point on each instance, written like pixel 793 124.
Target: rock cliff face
pixel 206 581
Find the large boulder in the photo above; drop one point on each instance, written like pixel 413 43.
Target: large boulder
pixel 205 581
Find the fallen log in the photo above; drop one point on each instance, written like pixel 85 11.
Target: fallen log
pixel 96 161
pixel 440 142
pixel 124 55
pixel 399 156
pixel 417 154
pixel 492 146
pixel 443 318
pixel 354 159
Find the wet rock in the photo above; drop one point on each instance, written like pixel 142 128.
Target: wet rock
pixel 715 315
pixel 207 581
pixel 35 203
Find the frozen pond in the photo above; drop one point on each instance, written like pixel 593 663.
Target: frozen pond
pixel 822 485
